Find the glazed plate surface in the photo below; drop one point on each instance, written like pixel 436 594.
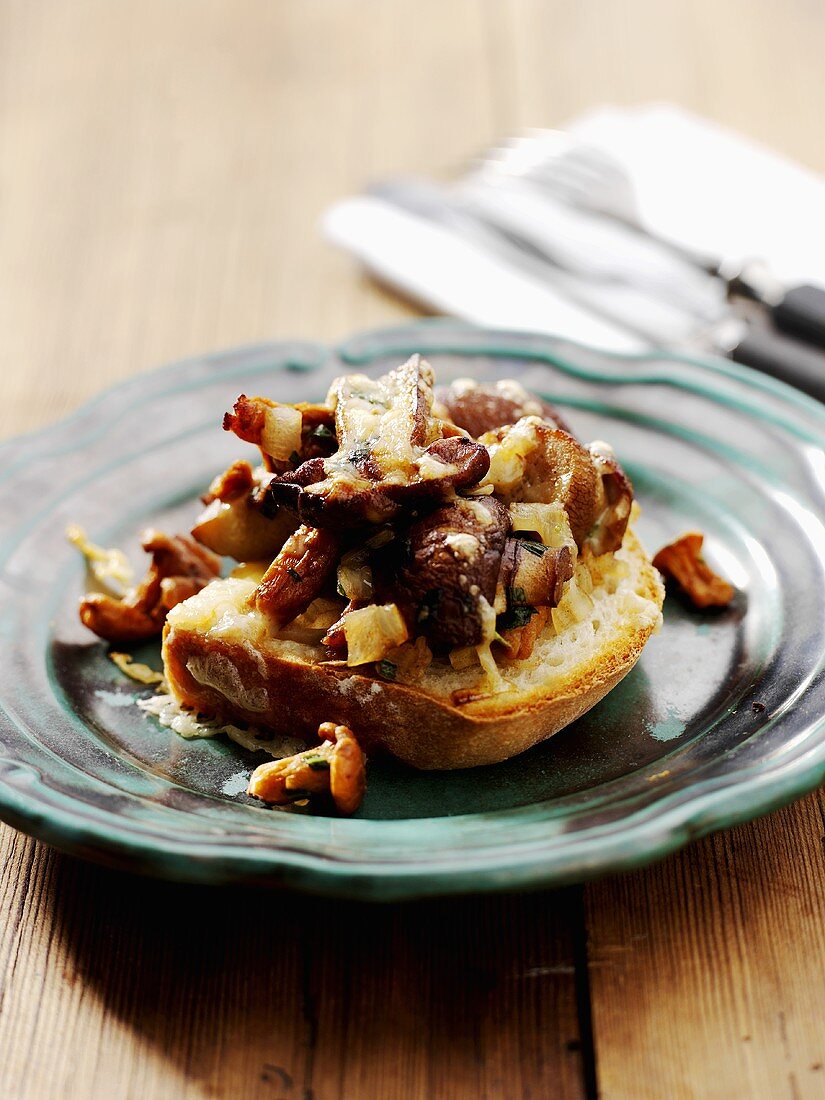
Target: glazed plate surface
pixel 722 719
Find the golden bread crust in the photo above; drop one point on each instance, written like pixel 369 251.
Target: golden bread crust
pixel 289 694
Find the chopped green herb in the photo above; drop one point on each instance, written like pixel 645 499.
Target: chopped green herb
pixel 370 398
pixel 296 576
pixel 516 595
pixel 295 458
pixel 515 618
pixel 358 454
pixel 534 547
pixel 322 432
pixel 381 538
pixel 387 670
pixel 429 605
pixel 340 590
pixel 317 763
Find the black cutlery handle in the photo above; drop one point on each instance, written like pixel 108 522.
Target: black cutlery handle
pixel 797 363
pixel 801 313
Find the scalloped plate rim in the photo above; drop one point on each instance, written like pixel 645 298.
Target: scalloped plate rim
pixel 739 796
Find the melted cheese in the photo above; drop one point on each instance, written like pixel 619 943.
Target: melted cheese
pixel 378 417
pixel 430 468
pixel 218 672
pixel 508 457
pixel 463 545
pixel 221 607
pixel 186 723
pixel 480 512
pixel 515 392
pixel 549 521
pixel 110 568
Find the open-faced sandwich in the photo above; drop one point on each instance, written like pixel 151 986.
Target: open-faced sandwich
pixel 447 575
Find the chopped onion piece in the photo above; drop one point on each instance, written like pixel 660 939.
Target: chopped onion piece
pixel 372 632
pixel 281 437
pixel 494 682
pixel 355 577
pixel 549 521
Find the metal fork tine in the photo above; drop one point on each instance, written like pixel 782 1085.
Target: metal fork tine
pixel 582 176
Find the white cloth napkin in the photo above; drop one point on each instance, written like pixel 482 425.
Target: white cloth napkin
pixel 716 190
pixel 695 183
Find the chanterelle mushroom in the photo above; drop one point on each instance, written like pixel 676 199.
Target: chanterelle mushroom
pixel 180 567
pixel 682 561
pixel 336 767
pixel 297 574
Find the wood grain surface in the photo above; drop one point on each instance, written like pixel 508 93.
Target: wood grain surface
pixel 162 170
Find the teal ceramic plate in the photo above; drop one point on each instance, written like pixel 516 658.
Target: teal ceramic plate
pixel 721 720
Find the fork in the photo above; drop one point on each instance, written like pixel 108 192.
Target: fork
pixel 582 176
pixel 587 178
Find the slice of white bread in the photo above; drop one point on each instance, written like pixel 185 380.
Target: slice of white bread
pixel 220 660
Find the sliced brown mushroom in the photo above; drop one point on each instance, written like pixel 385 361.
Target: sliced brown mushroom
pixel 234 523
pixel 533 575
pixel 391 454
pixel 533 463
pixel 390 416
pixel 443 574
pixel 237 529
pixel 480 407
pixel 608 531
pixel 453 465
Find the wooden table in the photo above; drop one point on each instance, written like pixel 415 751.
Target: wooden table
pixel 162 170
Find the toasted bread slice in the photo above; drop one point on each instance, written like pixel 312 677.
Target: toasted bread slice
pixel 220 660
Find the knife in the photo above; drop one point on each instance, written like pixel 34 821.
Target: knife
pixel 699 322
pixel 649 314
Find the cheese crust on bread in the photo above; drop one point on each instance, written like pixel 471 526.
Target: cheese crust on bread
pixel 220 658
pixel 447 575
